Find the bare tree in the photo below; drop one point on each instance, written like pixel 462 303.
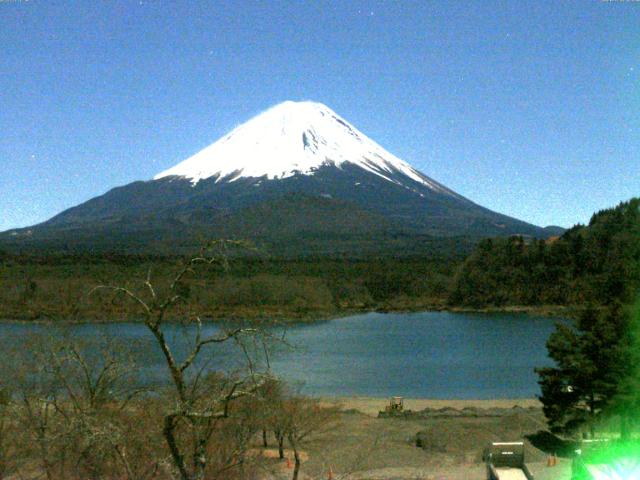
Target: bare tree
pixel 78 410
pixel 199 402
pixel 40 425
pixel 303 417
pixel 97 385
pixel 73 404
pixel 268 408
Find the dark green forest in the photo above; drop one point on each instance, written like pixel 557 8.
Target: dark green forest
pixel 56 287
pixel 597 264
pixel 593 264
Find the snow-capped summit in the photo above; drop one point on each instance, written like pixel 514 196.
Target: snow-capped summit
pixel 297 179
pixel 294 138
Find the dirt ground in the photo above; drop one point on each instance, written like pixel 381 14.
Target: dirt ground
pixel 359 446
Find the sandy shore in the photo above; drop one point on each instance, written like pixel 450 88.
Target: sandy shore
pixel 372 405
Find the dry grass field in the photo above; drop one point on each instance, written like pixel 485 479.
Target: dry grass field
pixel 360 446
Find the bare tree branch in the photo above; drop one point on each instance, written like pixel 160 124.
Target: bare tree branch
pixel 125 291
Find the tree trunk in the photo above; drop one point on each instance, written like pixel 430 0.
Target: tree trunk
pixel 200 460
pixel 280 438
pixel 264 438
pixel 122 455
pixel 178 460
pixel 44 453
pixel 296 468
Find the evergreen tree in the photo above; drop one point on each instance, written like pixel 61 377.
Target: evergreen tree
pixel 592 374
pixel 626 403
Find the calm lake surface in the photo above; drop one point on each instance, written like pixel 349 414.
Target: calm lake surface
pixel 426 354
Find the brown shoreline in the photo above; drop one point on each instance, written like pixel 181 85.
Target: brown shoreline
pixel 372 405
pixel 284 318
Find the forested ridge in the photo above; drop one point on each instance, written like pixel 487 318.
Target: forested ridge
pixel 45 287
pixel 594 264
pixel 597 264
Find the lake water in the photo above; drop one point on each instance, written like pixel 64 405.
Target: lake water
pixel 426 354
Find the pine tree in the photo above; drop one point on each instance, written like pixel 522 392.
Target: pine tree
pixel 592 374
pixel 626 403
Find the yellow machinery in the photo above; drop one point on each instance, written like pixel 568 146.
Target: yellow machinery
pixel 396 405
pixel 395 408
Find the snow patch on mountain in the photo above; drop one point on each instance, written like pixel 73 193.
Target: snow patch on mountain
pixel 294 138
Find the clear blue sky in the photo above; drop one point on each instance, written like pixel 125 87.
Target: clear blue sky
pixel 530 108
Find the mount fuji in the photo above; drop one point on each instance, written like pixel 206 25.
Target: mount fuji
pixel 296 178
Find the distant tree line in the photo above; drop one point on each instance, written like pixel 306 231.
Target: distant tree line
pixel 55 287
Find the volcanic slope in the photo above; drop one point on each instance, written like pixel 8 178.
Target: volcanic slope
pixel 295 173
